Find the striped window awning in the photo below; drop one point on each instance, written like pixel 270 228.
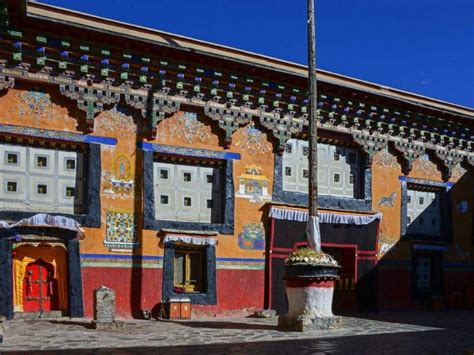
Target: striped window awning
pixel 324 217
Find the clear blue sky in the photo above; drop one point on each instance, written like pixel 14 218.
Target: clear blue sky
pixel 423 46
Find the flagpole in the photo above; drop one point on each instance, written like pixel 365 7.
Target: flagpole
pixel 314 237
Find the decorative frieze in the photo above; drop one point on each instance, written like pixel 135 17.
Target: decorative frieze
pixel 90 98
pixel 370 143
pixel 410 151
pixel 6 82
pixel 449 159
pixel 228 116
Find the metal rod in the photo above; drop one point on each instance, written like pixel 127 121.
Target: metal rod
pixel 313 106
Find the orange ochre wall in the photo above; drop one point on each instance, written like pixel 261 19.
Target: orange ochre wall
pixel 240 285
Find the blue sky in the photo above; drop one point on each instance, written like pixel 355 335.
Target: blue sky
pixel 423 46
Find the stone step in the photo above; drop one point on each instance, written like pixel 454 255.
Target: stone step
pixel 35 315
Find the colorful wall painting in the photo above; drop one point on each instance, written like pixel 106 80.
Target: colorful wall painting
pixel 253 185
pixel 35 103
pixel 252 237
pixel 187 126
pixel 121 230
pixel 120 180
pixel 254 141
pixel 117 119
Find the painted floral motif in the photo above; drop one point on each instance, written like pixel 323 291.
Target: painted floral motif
pixel 35 103
pixel 458 172
pixel 386 245
pixel 253 141
pixel 187 126
pixel 117 119
pixel 120 181
pixel 252 237
pixel 385 160
pixel 253 185
pixel 424 164
pixel 121 230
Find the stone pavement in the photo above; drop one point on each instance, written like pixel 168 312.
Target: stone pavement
pixel 448 332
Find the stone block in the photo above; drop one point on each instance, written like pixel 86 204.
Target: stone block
pixel 266 313
pixel 305 324
pixel 104 305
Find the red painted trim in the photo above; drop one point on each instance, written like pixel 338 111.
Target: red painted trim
pixel 334 245
pixel 283 250
pixel 279 256
pixel 269 271
pixel 366 252
pixel 367 258
pixel 313 283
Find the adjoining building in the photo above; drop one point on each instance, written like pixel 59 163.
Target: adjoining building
pixel 163 166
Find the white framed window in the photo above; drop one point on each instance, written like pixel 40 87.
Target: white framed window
pixel 190 192
pixel 338 169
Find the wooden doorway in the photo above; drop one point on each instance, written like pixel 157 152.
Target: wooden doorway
pixel 40 288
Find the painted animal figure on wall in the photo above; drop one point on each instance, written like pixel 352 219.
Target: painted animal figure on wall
pixel 388 200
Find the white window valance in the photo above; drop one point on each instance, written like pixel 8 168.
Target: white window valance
pixel 190 239
pixel 46 220
pixel 329 218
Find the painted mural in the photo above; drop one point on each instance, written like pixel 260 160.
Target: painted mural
pixel 117 119
pixel 121 230
pixel 253 185
pixel 386 160
pixel 253 141
pixel 119 181
pixel 189 128
pixel 34 103
pixel 252 237
pixel 425 165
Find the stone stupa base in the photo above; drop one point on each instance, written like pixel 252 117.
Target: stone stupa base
pixel 309 291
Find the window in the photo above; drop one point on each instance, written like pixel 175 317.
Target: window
pixel 41 161
pixel 288 148
pixel 164 199
pixel 422 215
pixel 189 269
pixel 42 189
pixel 70 164
pixel 12 186
pixel 163 174
pixel 183 196
pixel 187 177
pixel 331 158
pixel 12 159
pixel 70 191
pixel 187 202
pixel 50 180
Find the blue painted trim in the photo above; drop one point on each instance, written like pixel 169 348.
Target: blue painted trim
pixel 100 140
pixel 187 152
pixel 402 178
pixel 53 134
pixel 324 201
pixel 118 256
pixel 430 247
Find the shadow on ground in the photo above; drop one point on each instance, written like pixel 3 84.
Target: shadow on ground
pixel 426 342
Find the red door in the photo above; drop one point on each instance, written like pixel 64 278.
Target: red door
pixel 40 288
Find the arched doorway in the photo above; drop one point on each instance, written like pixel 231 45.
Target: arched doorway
pixel 40 278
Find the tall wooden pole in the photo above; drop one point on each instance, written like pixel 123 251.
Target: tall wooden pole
pixel 313 130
